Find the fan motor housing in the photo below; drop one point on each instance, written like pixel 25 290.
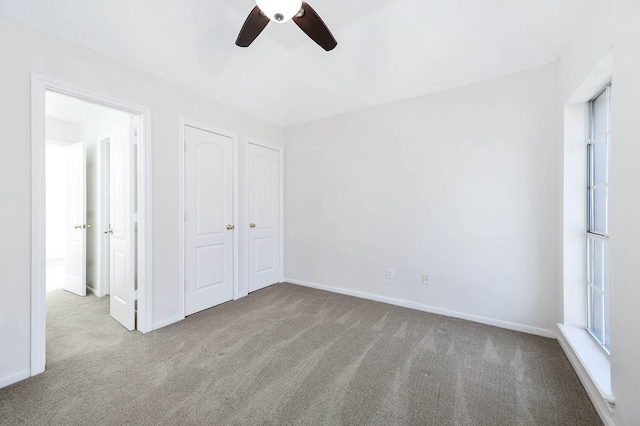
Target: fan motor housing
pixel 279 11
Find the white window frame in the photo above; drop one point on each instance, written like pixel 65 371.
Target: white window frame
pixel 594 238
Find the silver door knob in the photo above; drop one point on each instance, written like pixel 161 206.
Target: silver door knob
pixel 230 227
pixel 88 226
pixel 252 225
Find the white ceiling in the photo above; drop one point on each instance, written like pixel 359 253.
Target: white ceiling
pixel 387 49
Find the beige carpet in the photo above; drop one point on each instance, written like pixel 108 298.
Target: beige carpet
pixel 290 355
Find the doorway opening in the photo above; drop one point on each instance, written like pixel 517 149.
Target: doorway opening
pixel 90 204
pixel 78 192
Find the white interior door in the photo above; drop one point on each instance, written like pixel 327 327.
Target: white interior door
pixel 264 216
pixel 209 219
pixel 75 279
pixel 122 231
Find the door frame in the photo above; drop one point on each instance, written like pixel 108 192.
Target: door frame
pixel 103 173
pixel 39 85
pixel 183 122
pixel 280 151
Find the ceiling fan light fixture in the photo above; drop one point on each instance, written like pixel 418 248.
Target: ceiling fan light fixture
pixel 279 11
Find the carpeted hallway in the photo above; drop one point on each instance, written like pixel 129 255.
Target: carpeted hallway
pixel 292 355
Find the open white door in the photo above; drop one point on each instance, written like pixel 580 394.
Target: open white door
pixel 122 229
pixel 75 279
pixel 209 219
pixel 264 216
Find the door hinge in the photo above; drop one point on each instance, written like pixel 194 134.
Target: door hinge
pixel 135 294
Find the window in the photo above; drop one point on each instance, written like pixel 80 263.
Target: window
pixel 598 216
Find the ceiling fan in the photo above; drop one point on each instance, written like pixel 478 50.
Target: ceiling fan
pixel 281 11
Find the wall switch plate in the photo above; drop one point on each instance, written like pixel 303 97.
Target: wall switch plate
pixel 426 279
pixel 389 273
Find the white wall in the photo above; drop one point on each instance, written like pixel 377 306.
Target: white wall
pixel 34 51
pixel 459 184
pixel 611 26
pixel 56 221
pixel 56 201
pixel 625 205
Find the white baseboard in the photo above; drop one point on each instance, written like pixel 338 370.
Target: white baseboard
pixel 603 408
pixel 14 378
pixel 431 309
pixel 175 319
pixel 160 324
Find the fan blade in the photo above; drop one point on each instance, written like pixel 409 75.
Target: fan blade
pixel 315 28
pixel 252 27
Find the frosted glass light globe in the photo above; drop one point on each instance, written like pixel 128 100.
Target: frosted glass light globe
pixel 279 11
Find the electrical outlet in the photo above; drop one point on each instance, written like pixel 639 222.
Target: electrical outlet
pixel 389 273
pixel 426 279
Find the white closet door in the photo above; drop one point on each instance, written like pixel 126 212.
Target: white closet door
pixel 264 216
pixel 76 261
pixel 122 233
pixel 209 227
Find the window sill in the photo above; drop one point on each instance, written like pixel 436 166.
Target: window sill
pixel 591 357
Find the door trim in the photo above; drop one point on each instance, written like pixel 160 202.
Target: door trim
pixel 280 151
pixel 103 207
pixel 181 208
pixel 39 84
